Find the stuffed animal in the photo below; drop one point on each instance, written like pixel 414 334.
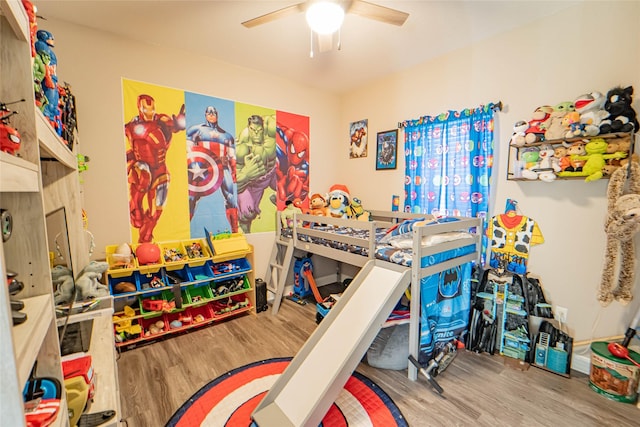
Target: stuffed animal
pixel 535 133
pixel 88 284
pixel 553 126
pixel 547 164
pixel 592 112
pixel 318 205
pixel 338 201
pixel 287 214
pixel 62 278
pixel 622 223
pixel 571 121
pixel 560 154
pixel 622 116
pixel 529 158
pixel 575 152
pixel 595 160
pixel 518 137
pixel 356 211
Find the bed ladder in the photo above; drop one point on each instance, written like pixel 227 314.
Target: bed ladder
pixel 279 264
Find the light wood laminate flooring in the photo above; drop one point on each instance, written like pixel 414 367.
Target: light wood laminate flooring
pixel 156 379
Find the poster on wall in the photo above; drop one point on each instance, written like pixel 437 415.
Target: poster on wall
pixel 292 149
pixel 154 118
pixel 196 161
pixel 211 165
pixel 358 139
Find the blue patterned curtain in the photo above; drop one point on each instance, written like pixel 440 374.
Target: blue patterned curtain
pixel 448 163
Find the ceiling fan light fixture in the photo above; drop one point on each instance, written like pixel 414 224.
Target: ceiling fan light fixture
pixel 325 17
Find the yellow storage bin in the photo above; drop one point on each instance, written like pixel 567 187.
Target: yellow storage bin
pixel 173 254
pixel 197 252
pixel 119 265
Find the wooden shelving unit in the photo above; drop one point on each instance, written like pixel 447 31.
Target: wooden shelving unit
pixel 40 179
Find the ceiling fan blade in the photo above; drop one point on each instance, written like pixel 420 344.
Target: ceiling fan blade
pixel 377 12
pixel 276 14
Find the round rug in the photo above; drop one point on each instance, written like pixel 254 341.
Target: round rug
pixel 230 399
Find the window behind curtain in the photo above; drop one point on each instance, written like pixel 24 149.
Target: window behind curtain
pixel 448 163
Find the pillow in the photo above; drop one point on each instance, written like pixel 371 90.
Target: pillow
pixel 430 240
pixel 404 230
pixel 405 227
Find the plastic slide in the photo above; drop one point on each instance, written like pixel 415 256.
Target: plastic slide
pixel 305 391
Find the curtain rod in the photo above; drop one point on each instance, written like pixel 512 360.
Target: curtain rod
pixel 497 106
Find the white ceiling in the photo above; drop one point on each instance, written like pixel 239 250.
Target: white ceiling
pixel 370 49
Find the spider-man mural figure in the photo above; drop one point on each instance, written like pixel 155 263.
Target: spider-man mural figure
pixel 149 135
pixel 292 173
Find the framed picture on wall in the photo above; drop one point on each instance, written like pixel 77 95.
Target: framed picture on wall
pixel 387 149
pixel 358 139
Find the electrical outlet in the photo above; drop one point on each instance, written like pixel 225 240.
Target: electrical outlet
pixel 561 313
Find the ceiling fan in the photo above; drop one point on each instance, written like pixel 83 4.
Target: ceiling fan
pixel 337 9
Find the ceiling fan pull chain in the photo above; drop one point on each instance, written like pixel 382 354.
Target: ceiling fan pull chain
pixel 311 42
pixel 339 38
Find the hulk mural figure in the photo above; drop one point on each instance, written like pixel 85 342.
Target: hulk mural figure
pixel 255 166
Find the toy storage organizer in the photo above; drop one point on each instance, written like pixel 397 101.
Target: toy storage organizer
pixel 173 296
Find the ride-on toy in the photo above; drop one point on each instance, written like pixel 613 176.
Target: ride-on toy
pixel 437 365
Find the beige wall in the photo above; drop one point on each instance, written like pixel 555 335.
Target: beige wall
pixel 593 47
pixel 95 62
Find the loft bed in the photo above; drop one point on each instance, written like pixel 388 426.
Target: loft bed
pixel 392 239
pixel 304 392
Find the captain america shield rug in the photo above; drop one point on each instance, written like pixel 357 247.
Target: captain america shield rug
pixel 229 400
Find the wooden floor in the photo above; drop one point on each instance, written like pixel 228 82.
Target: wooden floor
pixel 480 390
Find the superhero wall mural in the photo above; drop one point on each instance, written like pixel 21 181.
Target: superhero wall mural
pixel 194 161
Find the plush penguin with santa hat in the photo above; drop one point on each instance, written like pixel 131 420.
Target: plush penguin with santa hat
pixel 338 199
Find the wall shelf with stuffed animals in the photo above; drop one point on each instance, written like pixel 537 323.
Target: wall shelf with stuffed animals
pixel 587 139
pixel 162 289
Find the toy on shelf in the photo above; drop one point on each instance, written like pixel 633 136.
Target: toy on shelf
pixel 9 137
pixel 338 200
pixel 194 250
pixel 318 205
pixel 148 253
pixel 44 47
pixel 622 116
pixel 124 327
pixel 173 254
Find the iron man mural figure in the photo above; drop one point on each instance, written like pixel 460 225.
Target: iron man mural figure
pixel 212 165
pixel 149 135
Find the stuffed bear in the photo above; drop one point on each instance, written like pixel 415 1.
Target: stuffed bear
pixel 622 116
pixel 622 223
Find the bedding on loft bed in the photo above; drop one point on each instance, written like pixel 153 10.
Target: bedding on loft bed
pixel 392 241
